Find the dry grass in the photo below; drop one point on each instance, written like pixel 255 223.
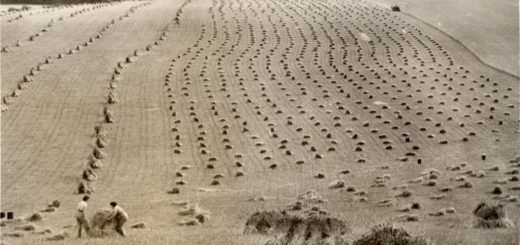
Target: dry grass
pixel 294 229
pixel 388 234
pixel 245 99
pixel 490 216
pixel 100 226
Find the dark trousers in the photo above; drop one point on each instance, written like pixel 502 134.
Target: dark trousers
pixel 82 223
pixel 120 221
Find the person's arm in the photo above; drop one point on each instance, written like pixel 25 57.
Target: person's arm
pixel 112 214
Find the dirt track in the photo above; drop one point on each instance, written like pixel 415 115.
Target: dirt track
pixel 279 91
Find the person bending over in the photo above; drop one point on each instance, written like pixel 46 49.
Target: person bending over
pixel 120 217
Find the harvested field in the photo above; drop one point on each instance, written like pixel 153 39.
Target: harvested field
pixel 330 118
pixel 485 27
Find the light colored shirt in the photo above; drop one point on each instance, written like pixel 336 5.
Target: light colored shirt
pixel 82 206
pixel 118 212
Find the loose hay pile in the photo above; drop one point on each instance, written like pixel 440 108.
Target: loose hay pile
pixel 311 196
pixel 35 217
pixel 490 216
pixel 289 229
pixel 58 237
pixel 389 235
pixel 99 226
pixel 194 216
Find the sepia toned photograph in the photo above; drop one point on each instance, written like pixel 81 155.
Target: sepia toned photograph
pixel 260 122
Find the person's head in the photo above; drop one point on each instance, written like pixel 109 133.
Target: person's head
pixel 85 198
pixel 113 204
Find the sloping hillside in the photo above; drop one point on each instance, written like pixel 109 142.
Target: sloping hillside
pixel 339 108
pixel 488 28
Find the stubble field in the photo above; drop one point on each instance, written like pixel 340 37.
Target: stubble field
pixel 245 106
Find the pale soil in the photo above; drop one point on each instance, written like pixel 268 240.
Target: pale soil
pixel 47 131
pixel 488 28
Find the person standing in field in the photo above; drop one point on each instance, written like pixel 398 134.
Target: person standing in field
pixel 120 217
pixel 80 216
